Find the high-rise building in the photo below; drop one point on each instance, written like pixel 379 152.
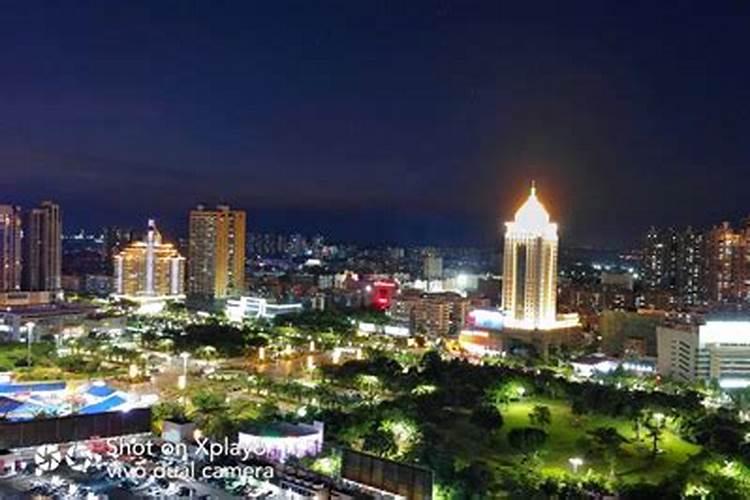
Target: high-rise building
pixel 674 261
pixel 529 292
pixel 10 248
pixel 432 266
pixel 727 253
pixel 42 248
pixel 216 255
pixel 149 268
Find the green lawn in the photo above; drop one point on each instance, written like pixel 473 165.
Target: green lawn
pixel 567 435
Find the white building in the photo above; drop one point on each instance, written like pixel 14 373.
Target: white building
pixel 718 350
pixel 256 307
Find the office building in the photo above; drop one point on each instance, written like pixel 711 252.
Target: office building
pixel 149 268
pixel 529 293
pixel 42 248
pixel 10 248
pixel 718 350
pixel 216 254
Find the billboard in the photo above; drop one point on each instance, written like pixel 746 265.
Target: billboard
pixel 409 481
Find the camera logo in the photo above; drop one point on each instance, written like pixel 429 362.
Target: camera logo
pixel 48 458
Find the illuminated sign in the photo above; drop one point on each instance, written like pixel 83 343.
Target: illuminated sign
pixel 725 332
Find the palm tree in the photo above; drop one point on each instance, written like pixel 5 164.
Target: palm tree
pixel 655 424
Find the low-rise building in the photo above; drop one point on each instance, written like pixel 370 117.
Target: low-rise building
pixel 717 350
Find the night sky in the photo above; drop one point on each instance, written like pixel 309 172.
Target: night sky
pixel 399 121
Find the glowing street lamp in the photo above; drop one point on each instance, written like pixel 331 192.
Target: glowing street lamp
pixel 29 334
pixel 575 462
pixel 184 356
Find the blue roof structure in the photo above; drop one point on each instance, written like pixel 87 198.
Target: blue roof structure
pixel 8 405
pixel 101 391
pixel 103 405
pixel 33 387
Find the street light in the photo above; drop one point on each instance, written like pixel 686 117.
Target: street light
pixel 182 379
pixel 29 333
pixel 575 462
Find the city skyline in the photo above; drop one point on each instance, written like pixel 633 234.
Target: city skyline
pixel 363 122
pixel 430 250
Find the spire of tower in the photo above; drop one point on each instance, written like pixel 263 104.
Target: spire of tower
pixel 533 187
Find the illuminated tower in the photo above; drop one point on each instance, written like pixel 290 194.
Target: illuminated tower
pixel 149 268
pixel 530 268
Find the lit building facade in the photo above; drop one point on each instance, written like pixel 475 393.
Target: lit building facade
pixel 216 254
pixel 257 307
pixel 529 291
pixel 10 248
pixel 717 350
pixel 433 314
pixel 674 261
pixel 149 268
pixel 728 263
pixel 42 248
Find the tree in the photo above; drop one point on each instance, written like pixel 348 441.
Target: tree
pixel 540 415
pixel 503 393
pixel 741 402
pixel 405 432
pixel 208 402
pixel 487 417
pixel 206 352
pixel 381 442
pixel 608 441
pixel 527 439
pixel 370 386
